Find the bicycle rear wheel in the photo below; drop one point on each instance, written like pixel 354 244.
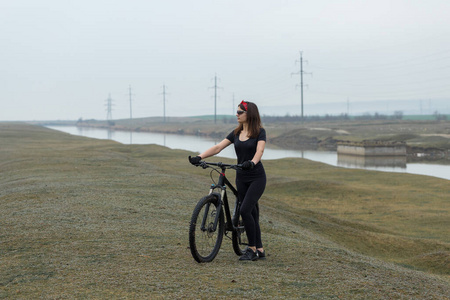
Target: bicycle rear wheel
pixel 238 236
pixel 205 242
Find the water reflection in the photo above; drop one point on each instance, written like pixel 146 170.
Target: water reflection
pixel 361 161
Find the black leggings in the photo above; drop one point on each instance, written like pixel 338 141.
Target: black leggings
pixel 249 193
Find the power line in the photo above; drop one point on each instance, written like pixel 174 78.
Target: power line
pixel 411 62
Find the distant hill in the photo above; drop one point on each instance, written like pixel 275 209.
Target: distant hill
pixel 385 107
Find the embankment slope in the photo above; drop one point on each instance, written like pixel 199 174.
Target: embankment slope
pixel 96 219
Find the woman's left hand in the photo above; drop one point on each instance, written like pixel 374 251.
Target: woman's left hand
pixel 248 165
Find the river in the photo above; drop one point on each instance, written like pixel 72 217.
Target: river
pixel 199 144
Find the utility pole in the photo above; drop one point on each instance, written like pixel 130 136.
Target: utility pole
pixel 164 102
pixel 215 98
pixel 301 72
pixel 109 108
pixel 131 108
pixel 233 111
pixel 348 107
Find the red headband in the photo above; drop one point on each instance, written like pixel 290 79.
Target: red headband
pixel 244 104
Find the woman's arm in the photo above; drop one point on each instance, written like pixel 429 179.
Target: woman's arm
pixel 259 152
pixel 216 149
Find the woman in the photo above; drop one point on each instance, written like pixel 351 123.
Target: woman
pixel 249 139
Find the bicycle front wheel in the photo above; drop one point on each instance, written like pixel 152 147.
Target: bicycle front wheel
pixel 204 240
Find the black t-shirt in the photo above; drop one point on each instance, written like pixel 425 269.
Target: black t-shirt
pixel 245 150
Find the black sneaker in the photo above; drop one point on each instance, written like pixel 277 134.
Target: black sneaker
pixel 249 255
pixel 261 255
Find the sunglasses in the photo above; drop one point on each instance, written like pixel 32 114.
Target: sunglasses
pixel 240 112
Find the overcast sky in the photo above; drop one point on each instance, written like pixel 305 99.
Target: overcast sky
pixel 62 59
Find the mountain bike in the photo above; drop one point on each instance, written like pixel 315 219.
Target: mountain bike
pixel 208 226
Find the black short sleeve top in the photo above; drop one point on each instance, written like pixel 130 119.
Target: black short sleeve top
pixel 245 150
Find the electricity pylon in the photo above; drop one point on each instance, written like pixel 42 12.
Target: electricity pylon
pixel 109 106
pixel 301 72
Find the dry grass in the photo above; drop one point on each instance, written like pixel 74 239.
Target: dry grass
pixel 83 218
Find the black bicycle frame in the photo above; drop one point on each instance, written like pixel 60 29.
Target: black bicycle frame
pixel 221 184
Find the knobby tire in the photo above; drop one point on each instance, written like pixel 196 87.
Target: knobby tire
pixel 205 244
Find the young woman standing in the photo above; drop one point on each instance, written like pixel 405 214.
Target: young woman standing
pixel 249 139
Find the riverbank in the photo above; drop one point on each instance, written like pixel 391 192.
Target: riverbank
pixel 426 140
pixel 88 218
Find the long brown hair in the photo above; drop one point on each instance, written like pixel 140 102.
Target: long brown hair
pixel 253 120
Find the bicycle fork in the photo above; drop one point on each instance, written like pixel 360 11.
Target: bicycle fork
pixel 232 220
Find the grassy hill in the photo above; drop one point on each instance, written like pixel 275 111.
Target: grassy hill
pixel 86 218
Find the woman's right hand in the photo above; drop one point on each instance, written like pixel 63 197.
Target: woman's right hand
pixel 195 160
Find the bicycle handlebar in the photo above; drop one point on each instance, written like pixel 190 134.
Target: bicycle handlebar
pixel 221 165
